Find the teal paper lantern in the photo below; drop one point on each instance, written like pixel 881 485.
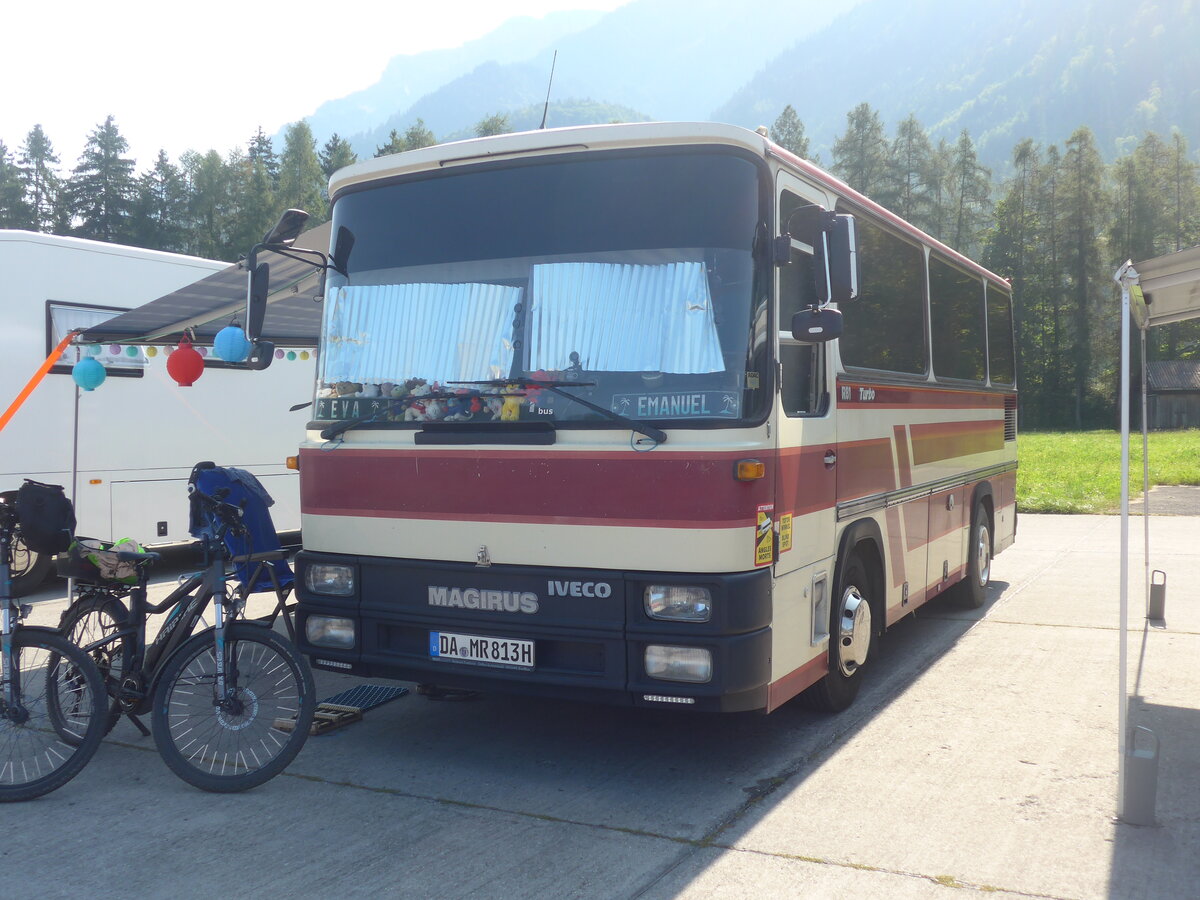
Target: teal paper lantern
pixel 291 355
pixel 231 345
pixel 131 352
pixel 88 373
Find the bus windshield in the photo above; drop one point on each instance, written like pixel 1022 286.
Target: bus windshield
pixel 626 280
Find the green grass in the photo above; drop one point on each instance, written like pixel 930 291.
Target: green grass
pixel 1080 471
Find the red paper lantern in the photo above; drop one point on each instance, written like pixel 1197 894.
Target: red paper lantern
pixel 184 364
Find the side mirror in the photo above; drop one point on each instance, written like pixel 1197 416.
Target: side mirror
pixel 836 258
pixel 256 300
pixel 817 325
pixel 287 229
pixel 262 354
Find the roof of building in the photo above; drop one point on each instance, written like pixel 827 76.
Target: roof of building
pixel 1173 375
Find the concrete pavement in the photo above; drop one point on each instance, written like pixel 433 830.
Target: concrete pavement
pixel 980 757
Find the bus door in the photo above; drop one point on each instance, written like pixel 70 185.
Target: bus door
pixel 806 438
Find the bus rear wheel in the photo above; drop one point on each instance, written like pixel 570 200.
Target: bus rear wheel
pixel 971 592
pixel 851 640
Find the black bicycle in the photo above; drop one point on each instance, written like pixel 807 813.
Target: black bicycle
pixel 230 705
pixel 52 698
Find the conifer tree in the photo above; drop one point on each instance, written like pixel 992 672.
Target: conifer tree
pixel 38 164
pixel 261 151
pixel 301 181
pixel 910 172
pixel 1083 207
pixel 14 210
pixel 788 132
pixel 496 123
pixel 160 210
pixel 418 136
pixel 971 195
pixel 395 144
pixel 860 156
pixel 207 203
pixel 336 154
pixel 101 190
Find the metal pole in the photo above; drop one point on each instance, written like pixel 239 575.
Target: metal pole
pixel 1122 724
pixel 74 469
pixel 1145 476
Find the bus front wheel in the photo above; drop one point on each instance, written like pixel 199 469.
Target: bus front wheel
pixel 851 639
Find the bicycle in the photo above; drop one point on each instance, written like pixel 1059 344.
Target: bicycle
pixel 52 697
pixel 230 705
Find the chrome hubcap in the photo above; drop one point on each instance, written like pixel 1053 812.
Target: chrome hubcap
pixel 854 631
pixel 983 556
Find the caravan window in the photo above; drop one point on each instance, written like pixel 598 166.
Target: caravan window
pixel 62 317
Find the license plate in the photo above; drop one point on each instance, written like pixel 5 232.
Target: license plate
pixel 481 650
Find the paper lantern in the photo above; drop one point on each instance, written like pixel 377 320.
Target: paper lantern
pixel 231 345
pixel 184 364
pixel 88 373
pixel 279 354
pixel 114 349
pixel 131 352
pixel 304 354
pixel 291 355
pixel 152 351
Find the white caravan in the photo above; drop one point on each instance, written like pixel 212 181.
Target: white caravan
pixel 139 432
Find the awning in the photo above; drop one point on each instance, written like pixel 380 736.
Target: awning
pixel 293 316
pixel 1171 284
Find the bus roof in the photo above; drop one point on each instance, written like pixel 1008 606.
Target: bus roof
pixel 554 141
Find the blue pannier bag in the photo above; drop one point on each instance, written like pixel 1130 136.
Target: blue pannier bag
pixel 239 488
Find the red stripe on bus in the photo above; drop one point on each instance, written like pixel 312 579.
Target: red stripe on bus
pixel 784 689
pixel 865 468
pixel 662 490
pixel 902 458
pixel 864 395
pixel 948 440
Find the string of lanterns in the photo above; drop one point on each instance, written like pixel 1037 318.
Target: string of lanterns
pixel 185 364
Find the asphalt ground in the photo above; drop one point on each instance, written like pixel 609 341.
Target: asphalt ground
pixel 980 757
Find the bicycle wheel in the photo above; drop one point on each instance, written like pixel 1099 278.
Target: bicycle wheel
pixel 91 618
pixel 233 743
pixel 34 758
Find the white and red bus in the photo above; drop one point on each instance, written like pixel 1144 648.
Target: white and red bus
pixel 571 439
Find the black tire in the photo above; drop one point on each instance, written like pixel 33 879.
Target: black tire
pixel 92 618
pixel 971 592
pixel 34 759
pixel 29 568
pixel 851 639
pixel 236 746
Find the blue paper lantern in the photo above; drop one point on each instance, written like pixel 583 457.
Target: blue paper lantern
pixel 88 373
pixel 231 345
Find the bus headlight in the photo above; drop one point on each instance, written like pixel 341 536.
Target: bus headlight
pixel 691 664
pixel 678 602
pixel 337 581
pixel 330 631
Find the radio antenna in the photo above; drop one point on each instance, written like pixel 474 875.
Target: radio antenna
pixel 546 108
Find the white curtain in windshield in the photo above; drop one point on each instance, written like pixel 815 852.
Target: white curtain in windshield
pixel 439 332
pixel 623 318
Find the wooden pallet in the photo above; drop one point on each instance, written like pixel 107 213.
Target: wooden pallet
pixel 326 718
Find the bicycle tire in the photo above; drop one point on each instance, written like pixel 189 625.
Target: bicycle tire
pixel 228 748
pixel 34 759
pixel 89 619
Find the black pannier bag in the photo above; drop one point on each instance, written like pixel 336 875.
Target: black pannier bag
pixel 46 517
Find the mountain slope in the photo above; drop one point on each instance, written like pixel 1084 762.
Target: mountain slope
pixel 1004 70
pixel 670 59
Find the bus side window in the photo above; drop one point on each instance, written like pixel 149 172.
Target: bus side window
pixel 801 385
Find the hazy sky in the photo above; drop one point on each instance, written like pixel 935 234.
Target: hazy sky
pixel 204 76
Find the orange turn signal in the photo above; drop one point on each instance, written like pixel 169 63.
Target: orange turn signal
pixel 749 470
pixel 293 463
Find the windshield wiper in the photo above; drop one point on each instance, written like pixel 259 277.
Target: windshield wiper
pixel 556 387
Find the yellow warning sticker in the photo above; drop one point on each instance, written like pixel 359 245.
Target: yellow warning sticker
pixel 764 551
pixel 785 532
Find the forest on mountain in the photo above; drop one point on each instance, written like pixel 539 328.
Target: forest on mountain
pixel 1057 226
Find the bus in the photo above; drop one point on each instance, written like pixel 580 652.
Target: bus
pixel 139 433
pixel 588 425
